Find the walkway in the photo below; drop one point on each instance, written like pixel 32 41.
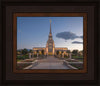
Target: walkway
pixel 50 63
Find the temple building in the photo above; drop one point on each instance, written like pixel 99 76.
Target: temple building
pixel 50 48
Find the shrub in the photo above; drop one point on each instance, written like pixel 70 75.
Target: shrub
pixel 20 57
pixel 26 57
pixel 35 55
pixel 65 56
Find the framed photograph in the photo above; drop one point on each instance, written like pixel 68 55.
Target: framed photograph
pixel 50 43
pixel 62 48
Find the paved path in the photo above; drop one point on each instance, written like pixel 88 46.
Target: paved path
pixel 50 63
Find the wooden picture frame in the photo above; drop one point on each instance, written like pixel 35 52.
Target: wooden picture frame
pixel 88 76
pixel 84 15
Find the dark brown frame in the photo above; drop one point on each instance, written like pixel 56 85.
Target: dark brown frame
pixel 84 15
pixel 90 77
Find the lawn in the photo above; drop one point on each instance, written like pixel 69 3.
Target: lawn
pixel 22 57
pixel 75 57
pixel 79 58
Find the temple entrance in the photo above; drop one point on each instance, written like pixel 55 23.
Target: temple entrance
pixel 50 53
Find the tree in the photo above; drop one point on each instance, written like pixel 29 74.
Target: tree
pixel 19 50
pixel 24 51
pixel 37 51
pixel 75 52
pixel 42 52
pixel 62 51
pixel 30 51
pixel 68 51
pixel 57 52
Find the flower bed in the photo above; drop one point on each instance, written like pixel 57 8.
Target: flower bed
pixel 20 66
pixel 28 60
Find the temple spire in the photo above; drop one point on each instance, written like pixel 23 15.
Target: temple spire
pixel 50 26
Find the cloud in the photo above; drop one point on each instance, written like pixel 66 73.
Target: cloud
pixel 67 35
pixel 77 42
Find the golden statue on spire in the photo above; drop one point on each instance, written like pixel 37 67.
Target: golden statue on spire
pixel 50 20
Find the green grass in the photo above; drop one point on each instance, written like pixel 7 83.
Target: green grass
pixel 77 57
pixel 22 57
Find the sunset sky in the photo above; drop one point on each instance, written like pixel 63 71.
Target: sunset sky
pixel 34 31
